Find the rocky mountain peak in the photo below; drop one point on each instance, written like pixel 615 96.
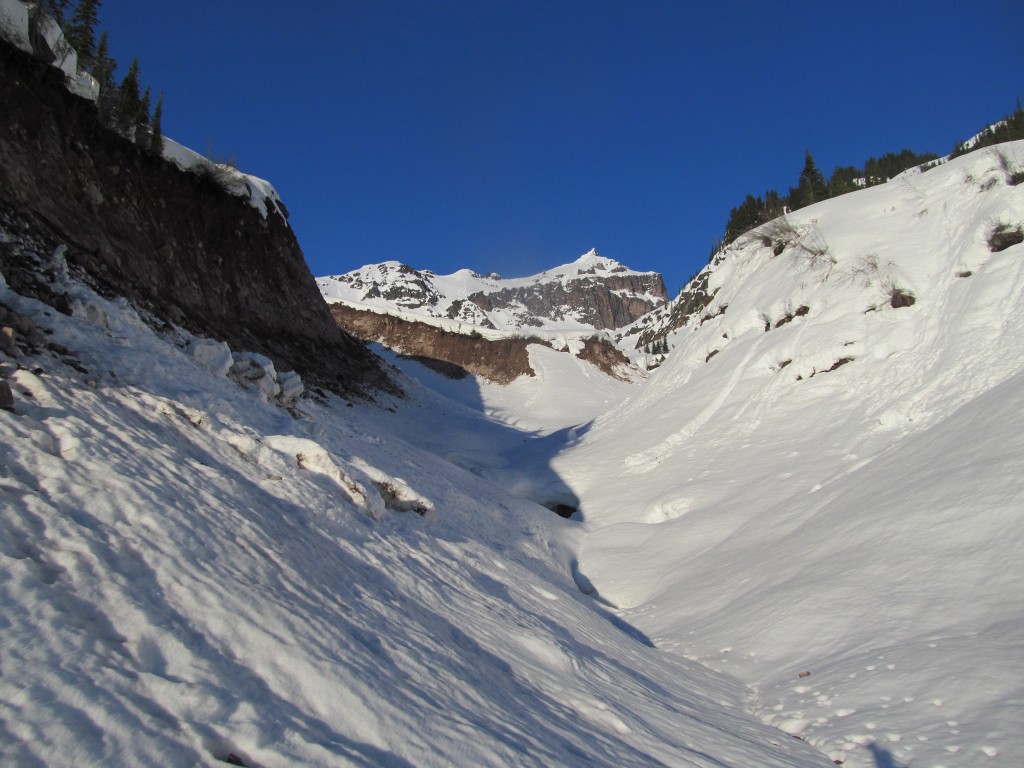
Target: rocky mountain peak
pixel 591 293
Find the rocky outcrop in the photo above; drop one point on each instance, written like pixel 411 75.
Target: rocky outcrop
pixel 604 302
pixel 605 356
pixel 171 241
pixel 692 300
pixel 453 354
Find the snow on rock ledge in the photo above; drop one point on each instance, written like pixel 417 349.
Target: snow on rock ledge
pixel 260 192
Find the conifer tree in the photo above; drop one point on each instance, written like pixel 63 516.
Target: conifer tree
pixel 104 66
pixel 103 72
pixel 81 32
pixel 773 205
pixel 156 134
pixel 843 180
pixel 811 187
pixel 56 8
pixel 128 102
pixel 142 120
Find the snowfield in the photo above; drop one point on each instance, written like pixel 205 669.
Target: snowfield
pixel 821 493
pixel 806 523
pixel 798 543
pixel 194 573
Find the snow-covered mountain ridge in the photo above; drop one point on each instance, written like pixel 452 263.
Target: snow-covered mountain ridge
pixel 825 478
pixel 590 294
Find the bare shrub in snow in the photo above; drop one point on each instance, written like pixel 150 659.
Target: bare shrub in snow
pixel 221 175
pixel 867 272
pixel 811 252
pixel 808 247
pixel 777 234
pixel 1002 235
pixel 1012 167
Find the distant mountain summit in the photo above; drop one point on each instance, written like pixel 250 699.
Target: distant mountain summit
pixel 593 293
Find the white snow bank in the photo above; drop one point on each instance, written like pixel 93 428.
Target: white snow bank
pixel 833 490
pixel 14 24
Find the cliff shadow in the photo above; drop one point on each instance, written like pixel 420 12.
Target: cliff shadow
pixel 449 416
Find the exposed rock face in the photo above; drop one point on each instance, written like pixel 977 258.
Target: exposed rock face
pixel 658 324
pixel 605 356
pixel 171 241
pixel 454 354
pixel 603 301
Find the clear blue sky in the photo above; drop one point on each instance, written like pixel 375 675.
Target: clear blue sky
pixel 514 136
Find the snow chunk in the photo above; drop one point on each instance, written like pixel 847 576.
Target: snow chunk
pixel 291 387
pixel 311 456
pixel 254 370
pixel 214 356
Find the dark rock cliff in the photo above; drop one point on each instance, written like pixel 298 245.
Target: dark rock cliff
pixel 171 241
pixel 605 356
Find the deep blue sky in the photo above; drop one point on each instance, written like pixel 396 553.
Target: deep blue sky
pixel 514 136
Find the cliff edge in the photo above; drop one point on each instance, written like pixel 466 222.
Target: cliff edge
pixel 171 241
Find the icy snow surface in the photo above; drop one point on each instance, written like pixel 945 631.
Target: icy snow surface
pixel 822 494
pixel 191 572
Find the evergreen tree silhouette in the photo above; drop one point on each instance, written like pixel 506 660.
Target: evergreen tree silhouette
pixel 80 32
pixel 811 187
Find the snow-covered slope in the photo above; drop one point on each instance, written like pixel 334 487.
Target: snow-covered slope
pixel 821 490
pixel 551 304
pixel 193 574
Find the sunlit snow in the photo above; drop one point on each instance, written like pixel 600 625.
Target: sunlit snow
pixel 829 506
pixel 193 573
